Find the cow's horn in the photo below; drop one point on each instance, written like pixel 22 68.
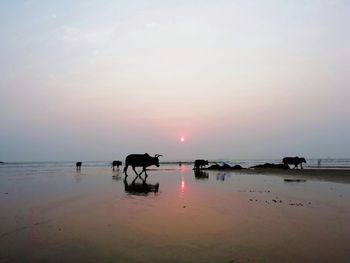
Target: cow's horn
pixel 158 155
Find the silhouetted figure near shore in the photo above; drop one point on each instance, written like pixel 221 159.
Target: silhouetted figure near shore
pixel 295 161
pixel 78 165
pixel 140 188
pixel 198 174
pixel 198 164
pixel 116 163
pixel 140 160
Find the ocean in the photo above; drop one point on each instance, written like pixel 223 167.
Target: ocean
pixel 314 163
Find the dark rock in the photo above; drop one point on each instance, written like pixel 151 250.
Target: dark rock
pixel 295 180
pixel 224 167
pixel 271 166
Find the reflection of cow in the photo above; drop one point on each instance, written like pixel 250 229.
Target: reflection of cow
pixel 116 163
pixel 198 164
pixel 78 165
pixel 140 160
pixel 295 161
pixel 140 188
pixel 198 174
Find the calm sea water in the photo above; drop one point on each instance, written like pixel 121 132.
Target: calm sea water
pixel 311 163
pixel 52 213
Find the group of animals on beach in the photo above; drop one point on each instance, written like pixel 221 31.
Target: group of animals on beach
pixel 145 160
pixel 134 160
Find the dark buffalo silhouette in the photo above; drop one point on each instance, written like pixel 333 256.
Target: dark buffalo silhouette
pixel 116 163
pixel 140 160
pixel 295 161
pixel 78 165
pixel 198 164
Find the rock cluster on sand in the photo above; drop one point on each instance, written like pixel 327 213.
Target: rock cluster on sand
pixel 271 166
pixel 294 180
pixel 224 167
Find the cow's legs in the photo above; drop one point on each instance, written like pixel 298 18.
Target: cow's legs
pixel 125 170
pixel 135 170
pixel 144 169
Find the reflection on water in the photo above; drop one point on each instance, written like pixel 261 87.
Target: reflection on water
pixel 228 217
pixel 140 188
pixel 117 175
pixel 221 176
pixel 199 174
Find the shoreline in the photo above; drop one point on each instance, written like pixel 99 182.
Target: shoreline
pixel 329 175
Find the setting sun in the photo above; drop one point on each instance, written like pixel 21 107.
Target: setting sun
pixel 182 139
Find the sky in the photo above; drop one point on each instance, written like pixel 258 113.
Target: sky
pixel 98 80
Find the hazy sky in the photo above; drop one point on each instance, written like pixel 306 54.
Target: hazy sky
pixel 97 80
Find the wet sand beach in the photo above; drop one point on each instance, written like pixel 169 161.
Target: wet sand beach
pixel 329 175
pixel 56 214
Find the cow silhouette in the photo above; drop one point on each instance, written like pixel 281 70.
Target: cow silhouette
pixel 116 163
pixel 78 166
pixel 198 164
pixel 295 161
pixel 141 160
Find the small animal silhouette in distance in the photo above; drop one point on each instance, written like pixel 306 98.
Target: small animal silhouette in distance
pixel 295 161
pixel 198 164
pixel 78 166
pixel 116 163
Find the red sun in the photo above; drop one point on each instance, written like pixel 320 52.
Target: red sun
pixel 182 139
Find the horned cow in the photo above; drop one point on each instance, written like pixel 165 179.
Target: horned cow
pixel 140 160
